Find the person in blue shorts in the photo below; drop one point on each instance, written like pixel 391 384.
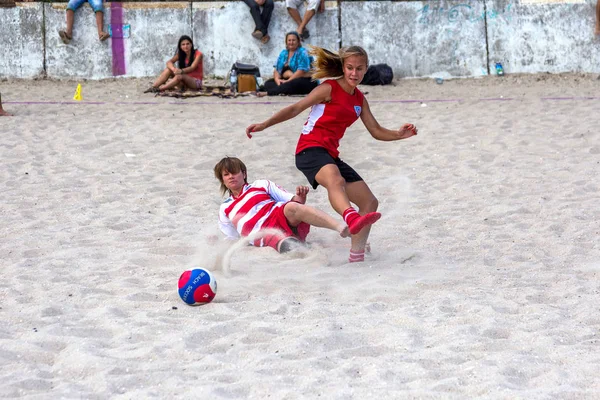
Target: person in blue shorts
pixel 66 35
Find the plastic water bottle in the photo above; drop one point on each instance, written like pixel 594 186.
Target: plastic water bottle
pixel 499 69
pixel 233 80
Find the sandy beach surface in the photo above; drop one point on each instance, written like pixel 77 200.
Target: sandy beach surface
pixel 483 280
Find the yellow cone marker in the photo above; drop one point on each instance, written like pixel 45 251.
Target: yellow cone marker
pixel 78 93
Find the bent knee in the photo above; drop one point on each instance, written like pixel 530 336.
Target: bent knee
pixel 370 205
pixel 292 207
pixel 337 181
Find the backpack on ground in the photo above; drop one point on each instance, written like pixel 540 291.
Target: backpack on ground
pixel 247 77
pixel 378 74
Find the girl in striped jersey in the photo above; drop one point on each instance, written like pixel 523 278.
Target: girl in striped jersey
pixel 335 105
pixel 262 205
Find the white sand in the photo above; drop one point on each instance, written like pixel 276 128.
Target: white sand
pixel 484 278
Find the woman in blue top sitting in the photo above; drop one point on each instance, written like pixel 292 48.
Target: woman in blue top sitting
pixel 292 71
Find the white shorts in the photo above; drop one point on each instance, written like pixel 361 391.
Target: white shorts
pixel 311 4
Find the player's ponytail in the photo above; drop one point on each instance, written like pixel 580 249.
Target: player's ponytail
pixel 331 65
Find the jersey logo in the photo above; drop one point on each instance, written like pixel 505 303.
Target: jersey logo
pixel 357 109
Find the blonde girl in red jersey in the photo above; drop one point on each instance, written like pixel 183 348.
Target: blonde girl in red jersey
pixel 335 105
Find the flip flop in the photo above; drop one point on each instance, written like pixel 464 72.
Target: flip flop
pixel 66 39
pixel 104 36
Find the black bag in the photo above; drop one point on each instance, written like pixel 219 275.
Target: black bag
pixel 248 77
pixel 378 74
pixel 246 69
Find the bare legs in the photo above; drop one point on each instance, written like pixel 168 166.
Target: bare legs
pixel 67 34
pixel 70 20
pixel 341 194
pixel 178 80
pixel 296 213
pixel 162 78
pixel 360 194
pixel 295 16
pixel 100 24
pixel 307 17
pixel 301 21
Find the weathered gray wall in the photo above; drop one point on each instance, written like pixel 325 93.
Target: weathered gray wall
pixel 534 37
pixel 417 38
pixel 21 41
pixel 441 38
pixel 222 31
pixel 86 56
pixel 155 29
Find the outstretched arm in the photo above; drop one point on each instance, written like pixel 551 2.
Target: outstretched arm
pixel 320 94
pixel 381 133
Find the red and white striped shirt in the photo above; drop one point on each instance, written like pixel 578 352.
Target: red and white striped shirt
pixel 245 214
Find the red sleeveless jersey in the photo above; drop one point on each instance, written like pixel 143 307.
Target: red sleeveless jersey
pixel 327 122
pixel 198 73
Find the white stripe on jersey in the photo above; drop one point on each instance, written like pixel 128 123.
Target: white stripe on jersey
pixel 250 214
pixel 278 197
pixel 260 222
pixel 248 197
pixel 316 112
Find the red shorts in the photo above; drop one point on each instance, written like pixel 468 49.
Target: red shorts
pixel 278 221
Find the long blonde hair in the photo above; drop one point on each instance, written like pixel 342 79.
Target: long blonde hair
pixel 331 65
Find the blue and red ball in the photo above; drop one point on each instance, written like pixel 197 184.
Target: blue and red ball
pixel 197 286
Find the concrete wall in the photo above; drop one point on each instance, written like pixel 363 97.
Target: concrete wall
pixel 537 37
pixel 417 38
pixel 21 41
pixel 155 29
pixel 222 31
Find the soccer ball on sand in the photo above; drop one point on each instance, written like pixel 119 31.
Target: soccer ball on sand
pixel 197 286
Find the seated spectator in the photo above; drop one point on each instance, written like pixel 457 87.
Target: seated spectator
pixel 188 75
pixel 262 205
pixel 261 19
pixel 311 10
pixel 292 71
pixel 2 112
pixel 67 34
